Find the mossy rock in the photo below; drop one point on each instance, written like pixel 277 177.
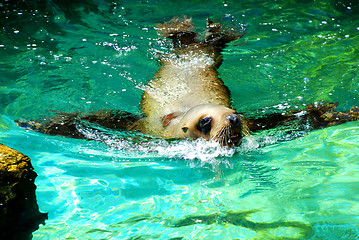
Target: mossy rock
pixel 19 212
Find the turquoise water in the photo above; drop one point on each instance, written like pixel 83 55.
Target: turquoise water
pixel 98 55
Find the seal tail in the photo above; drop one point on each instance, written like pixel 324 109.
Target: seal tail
pixel 180 30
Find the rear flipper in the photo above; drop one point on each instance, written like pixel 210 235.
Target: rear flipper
pixel 182 32
pixel 219 35
pixel 69 124
pixel 316 115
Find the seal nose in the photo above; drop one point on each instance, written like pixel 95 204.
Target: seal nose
pixel 233 119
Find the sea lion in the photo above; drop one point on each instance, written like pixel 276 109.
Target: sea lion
pixel 187 99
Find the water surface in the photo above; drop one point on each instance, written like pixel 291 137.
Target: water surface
pixel 80 57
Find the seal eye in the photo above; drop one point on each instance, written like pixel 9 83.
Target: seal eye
pixel 185 129
pixel 204 125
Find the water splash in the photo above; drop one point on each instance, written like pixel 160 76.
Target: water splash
pixel 136 145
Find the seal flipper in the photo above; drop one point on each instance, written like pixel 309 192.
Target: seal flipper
pixel 317 115
pixel 112 119
pixel 31 124
pixel 218 35
pixel 68 124
pixel 61 124
pixel 324 115
pixel 180 30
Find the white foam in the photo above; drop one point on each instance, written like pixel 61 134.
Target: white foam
pixel 206 152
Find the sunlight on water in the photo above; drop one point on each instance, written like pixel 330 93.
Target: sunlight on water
pixel 264 198
pixel 82 56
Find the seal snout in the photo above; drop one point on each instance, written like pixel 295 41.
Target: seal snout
pixel 233 119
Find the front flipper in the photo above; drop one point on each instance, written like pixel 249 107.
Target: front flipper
pixel 324 115
pixel 316 115
pixel 68 124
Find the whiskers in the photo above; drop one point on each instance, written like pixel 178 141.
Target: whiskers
pixel 227 135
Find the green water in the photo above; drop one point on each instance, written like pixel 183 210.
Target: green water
pixel 73 56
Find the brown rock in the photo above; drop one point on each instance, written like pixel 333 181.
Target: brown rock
pixel 19 212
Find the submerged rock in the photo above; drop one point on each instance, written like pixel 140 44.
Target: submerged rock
pixel 19 212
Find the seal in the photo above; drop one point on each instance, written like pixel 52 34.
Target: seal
pixel 187 99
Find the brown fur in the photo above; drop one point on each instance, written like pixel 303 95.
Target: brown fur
pixel 188 78
pixel 317 115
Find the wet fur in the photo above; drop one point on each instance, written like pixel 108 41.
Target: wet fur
pixel 188 78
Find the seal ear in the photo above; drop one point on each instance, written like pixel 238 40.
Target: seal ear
pixel 185 129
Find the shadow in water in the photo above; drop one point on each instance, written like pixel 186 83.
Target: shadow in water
pixel 241 219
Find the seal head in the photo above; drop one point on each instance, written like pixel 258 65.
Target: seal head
pixel 210 122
